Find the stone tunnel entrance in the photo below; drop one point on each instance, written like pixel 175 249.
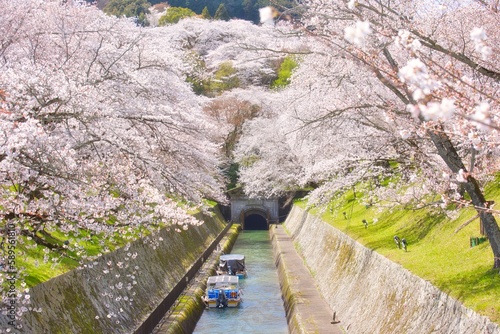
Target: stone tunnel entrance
pixel 252 213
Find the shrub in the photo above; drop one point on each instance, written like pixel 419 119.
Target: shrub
pixel 284 73
pixel 174 15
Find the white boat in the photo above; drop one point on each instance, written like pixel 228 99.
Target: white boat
pixel 232 264
pixel 222 291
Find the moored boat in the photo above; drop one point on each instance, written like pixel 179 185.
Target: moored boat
pixel 222 291
pixel 232 264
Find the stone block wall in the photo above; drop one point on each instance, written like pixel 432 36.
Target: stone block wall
pixel 117 292
pixel 371 294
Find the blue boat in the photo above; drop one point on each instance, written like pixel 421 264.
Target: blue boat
pixel 222 291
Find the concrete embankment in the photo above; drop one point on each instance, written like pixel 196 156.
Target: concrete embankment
pixel 305 308
pixel 124 290
pixel 368 292
pixel 189 307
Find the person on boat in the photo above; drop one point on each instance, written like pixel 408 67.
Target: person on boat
pixel 221 299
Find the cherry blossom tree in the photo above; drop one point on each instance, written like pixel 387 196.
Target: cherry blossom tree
pixel 253 53
pixel 411 82
pixel 100 129
pixel 437 60
pixel 265 151
pixel 101 121
pixel 231 113
pixel 98 122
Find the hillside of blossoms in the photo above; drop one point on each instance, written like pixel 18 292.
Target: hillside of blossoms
pixel 108 128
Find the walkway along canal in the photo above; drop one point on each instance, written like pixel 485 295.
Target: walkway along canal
pixel 262 308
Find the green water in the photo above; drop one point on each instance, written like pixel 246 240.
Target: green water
pixel 262 308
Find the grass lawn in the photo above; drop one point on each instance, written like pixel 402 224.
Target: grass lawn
pixel 436 252
pixel 39 263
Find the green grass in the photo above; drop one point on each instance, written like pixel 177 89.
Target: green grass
pixel 435 251
pixel 39 263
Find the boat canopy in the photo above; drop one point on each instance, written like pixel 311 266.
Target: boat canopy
pixel 235 261
pixel 222 280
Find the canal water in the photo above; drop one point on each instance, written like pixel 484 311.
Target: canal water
pixel 262 308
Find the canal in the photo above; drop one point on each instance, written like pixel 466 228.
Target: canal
pixel 262 308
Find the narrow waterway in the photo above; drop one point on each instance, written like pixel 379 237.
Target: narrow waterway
pixel 262 308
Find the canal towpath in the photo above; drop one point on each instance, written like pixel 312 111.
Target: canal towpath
pixel 309 313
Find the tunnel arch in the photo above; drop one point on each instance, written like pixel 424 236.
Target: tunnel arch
pixel 254 219
pixel 253 213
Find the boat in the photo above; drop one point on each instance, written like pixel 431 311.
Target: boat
pixel 232 264
pixel 222 291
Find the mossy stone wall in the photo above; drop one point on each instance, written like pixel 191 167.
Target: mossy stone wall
pixel 371 294
pixel 289 297
pixel 116 293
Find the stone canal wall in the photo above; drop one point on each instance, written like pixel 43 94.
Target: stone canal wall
pixel 371 294
pixel 119 292
pixel 189 307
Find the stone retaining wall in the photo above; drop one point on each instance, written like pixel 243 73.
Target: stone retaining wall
pixel 117 293
pixel 290 298
pixel 371 294
pixel 183 317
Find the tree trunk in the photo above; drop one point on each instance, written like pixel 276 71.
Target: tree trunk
pixel 450 156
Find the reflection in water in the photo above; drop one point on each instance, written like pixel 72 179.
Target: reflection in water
pixel 262 308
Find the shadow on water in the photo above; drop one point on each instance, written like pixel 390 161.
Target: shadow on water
pixel 262 308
